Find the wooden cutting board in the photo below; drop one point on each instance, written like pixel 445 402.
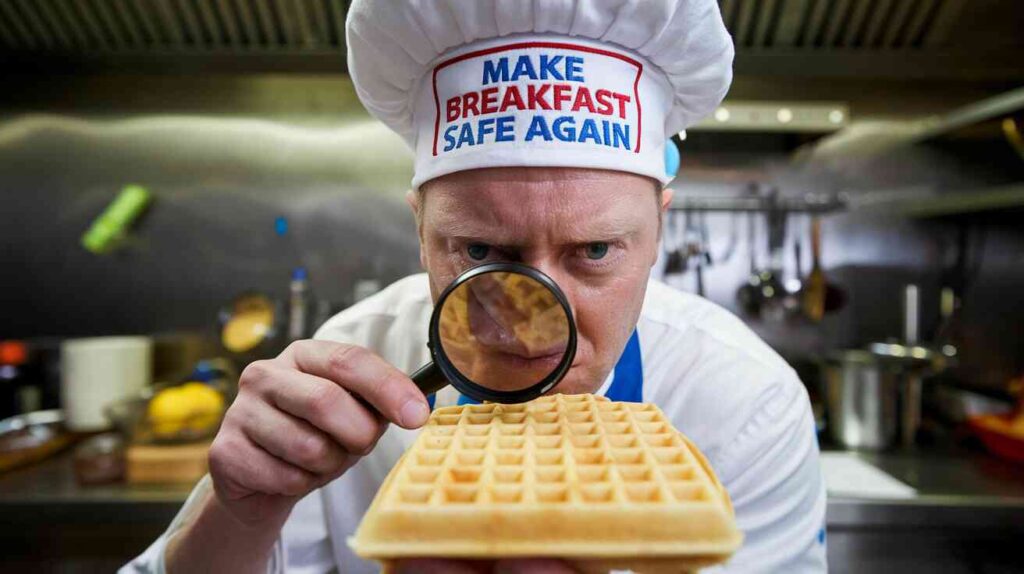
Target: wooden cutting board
pixel 164 464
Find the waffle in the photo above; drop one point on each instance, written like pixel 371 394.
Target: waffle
pixel 604 485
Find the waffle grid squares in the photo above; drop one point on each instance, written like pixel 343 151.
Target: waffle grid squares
pixel 563 449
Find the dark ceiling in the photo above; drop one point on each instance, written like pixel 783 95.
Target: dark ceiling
pixel 975 40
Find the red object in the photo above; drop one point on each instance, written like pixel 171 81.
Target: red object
pixel 999 442
pixel 13 353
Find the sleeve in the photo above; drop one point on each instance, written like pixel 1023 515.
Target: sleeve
pixel 773 476
pixel 304 546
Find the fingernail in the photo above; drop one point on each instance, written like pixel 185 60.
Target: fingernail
pixel 414 413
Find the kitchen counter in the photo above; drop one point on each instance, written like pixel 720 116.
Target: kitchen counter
pixel 955 488
pixel 967 515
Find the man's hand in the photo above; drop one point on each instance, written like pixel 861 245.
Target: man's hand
pixel 302 419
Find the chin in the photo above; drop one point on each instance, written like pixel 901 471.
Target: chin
pixel 578 381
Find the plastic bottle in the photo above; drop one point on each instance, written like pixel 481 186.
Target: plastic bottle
pixel 298 305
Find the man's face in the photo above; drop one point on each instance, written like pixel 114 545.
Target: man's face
pixel 594 232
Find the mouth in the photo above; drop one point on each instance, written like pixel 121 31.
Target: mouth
pixel 546 363
pixel 497 336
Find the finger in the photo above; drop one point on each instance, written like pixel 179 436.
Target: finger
pixel 292 439
pixel 324 405
pixel 244 464
pixel 440 566
pixel 533 566
pixel 365 374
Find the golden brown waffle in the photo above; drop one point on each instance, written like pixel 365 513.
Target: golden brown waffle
pixel 601 484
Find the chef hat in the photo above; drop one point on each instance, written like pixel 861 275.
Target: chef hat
pixel 568 83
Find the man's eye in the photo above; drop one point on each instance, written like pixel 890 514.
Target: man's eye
pixel 596 250
pixel 478 251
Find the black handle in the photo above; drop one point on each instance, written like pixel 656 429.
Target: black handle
pixel 429 378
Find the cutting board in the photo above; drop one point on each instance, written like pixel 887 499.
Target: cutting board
pixel 163 464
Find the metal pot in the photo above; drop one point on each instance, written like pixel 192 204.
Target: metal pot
pixel 862 400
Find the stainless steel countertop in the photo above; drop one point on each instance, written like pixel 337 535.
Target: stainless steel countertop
pixel 957 488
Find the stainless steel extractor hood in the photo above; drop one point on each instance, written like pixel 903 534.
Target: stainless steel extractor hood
pixel 932 39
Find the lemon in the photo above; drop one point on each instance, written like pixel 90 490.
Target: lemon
pixel 193 406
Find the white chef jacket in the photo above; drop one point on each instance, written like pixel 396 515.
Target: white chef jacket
pixel 718 383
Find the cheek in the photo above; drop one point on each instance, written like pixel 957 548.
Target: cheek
pixel 439 265
pixel 606 316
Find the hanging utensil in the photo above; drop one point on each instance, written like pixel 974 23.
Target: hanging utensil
pixel 675 263
pixel 773 291
pixel 794 287
pixel 703 251
pixel 748 295
pixel 816 284
pixel 730 247
pixel 692 250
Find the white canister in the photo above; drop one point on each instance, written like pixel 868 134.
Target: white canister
pixel 98 371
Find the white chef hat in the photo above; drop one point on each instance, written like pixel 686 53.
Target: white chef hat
pixel 568 83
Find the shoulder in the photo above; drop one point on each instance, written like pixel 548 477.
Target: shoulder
pixel 710 373
pixel 410 295
pixel 668 313
pixel 392 323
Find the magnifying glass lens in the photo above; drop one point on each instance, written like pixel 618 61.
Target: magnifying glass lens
pixel 504 331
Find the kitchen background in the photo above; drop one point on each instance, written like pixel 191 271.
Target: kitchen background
pixel 896 122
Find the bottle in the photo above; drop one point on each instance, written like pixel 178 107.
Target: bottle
pixel 17 396
pixel 298 305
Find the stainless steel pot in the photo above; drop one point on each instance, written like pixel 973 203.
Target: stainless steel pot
pixel 862 400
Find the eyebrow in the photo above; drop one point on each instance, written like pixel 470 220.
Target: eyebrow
pixel 605 229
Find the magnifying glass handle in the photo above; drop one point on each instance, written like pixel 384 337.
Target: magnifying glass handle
pixel 429 378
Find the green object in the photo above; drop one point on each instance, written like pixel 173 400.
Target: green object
pixel 112 225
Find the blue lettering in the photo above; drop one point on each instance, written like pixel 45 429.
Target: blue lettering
pixel 589 131
pixel 506 129
pixel 495 72
pixel 563 132
pixel 524 67
pixel 486 126
pixel 620 132
pixel 538 127
pixel 547 67
pixel 465 135
pixel 449 139
pixel 574 69
pixel 605 132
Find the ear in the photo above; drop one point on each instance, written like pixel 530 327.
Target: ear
pixel 665 195
pixel 415 202
pixel 666 201
pixel 666 198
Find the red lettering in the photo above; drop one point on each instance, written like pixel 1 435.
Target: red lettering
pixel 604 102
pixel 535 97
pixel 511 99
pixel 488 101
pixel 469 103
pixel 623 99
pixel 583 100
pixel 453 108
pixel 563 93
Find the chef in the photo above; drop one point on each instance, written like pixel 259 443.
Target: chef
pixel 539 133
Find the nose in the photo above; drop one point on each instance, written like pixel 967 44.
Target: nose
pixel 558 273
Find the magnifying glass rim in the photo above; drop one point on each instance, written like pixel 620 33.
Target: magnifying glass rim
pixel 471 389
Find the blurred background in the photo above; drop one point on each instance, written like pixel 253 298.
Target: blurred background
pixel 188 185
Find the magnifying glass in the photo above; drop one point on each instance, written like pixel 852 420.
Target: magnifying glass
pixel 501 332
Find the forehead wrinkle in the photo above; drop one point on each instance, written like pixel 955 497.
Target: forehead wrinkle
pixel 511 206
pixel 555 219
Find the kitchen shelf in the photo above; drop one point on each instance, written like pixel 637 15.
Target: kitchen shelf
pixel 867 143
pixel 810 203
pixel 929 203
